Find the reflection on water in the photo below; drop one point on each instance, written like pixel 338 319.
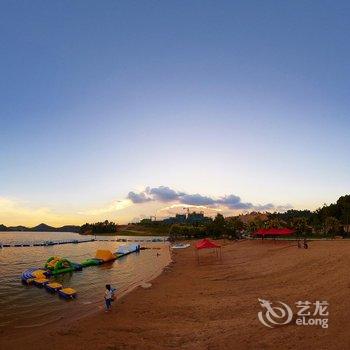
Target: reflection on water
pixel 23 306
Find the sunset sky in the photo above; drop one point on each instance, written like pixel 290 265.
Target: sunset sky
pixel 124 109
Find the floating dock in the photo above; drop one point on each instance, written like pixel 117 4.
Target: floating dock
pixel 43 243
pixel 58 265
pixel 40 277
pixel 76 241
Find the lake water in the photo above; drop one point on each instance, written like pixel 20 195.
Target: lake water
pixel 29 306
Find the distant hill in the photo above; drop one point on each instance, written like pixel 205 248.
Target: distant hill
pixel 68 228
pixel 247 218
pixel 42 228
pixel 17 228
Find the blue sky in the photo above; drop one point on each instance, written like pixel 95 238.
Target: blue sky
pixel 215 98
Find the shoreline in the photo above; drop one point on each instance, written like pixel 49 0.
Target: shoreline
pixel 98 305
pixel 98 309
pixel 33 332
pixel 214 304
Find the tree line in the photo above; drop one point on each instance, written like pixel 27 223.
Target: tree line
pixel 329 220
pixel 99 228
pixel 326 221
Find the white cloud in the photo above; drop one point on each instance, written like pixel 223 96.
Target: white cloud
pixel 109 208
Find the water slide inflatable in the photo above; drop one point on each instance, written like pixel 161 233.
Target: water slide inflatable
pixel 105 255
pixel 53 287
pixel 101 256
pixel 56 265
pixel 30 275
pixel 127 249
pixel 67 293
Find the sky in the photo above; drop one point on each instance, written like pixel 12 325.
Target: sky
pixel 124 109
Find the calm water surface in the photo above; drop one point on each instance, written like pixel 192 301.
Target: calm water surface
pixel 29 306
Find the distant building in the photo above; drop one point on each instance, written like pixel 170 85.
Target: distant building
pixel 178 219
pixel 195 218
pixel 190 219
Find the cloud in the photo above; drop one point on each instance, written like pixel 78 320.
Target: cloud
pixel 196 199
pixel 109 208
pixel 163 194
pixel 19 212
pixel 138 197
pixel 281 208
pixel 264 207
pixel 166 194
pixel 234 202
pixel 16 212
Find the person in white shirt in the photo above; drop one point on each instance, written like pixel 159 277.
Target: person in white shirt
pixel 109 296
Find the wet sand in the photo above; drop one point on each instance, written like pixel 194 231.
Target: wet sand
pixel 214 305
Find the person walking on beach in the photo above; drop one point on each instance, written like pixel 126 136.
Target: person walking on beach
pixel 109 297
pixel 299 243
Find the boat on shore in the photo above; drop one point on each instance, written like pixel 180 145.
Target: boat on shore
pixel 180 246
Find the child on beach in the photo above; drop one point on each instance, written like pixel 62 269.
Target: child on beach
pixel 109 297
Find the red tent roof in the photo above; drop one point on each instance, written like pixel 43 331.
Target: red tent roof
pixel 206 243
pixel 274 231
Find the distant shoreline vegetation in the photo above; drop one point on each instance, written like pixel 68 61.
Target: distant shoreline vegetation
pixel 327 221
pixel 105 227
pixel 40 228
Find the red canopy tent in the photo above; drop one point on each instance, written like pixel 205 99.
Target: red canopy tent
pixel 273 232
pixel 208 244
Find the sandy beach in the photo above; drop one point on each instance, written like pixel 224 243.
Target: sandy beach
pixel 214 304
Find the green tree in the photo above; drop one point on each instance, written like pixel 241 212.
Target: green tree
pixel 234 226
pixel 275 223
pixel 343 204
pixel 217 228
pixel 332 226
pixel 255 225
pixel 99 228
pixel 300 226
